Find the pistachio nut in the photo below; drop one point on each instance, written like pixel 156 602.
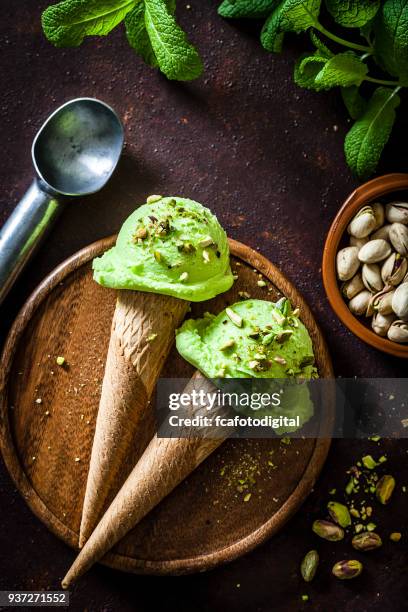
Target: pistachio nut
pixel 371 275
pixel 339 513
pixel 347 569
pixel 399 238
pixel 382 323
pixel 363 223
pixel 328 531
pixel 379 214
pixel 369 540
pixel 397 212
pixel 382 232
pixel 384 489
pixel 359 303
pixel 382 301
pixel 347 263
pixel 394 269
pixel 374 251
pixel 358 242
pixel 353 286
pixel 309 565
pixel 400 301
pixel 398 332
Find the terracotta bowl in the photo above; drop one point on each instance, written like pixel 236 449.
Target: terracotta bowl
pixel 383 188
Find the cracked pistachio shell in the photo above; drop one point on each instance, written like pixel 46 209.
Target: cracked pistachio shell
pixel 371 275
pixel 399 238
pixel 383 232
pixel 398 332
pixel 379 214
pixel 347 263
pixel 358 242
pixel 363 223
pixel 359 304
pixel 382 301
pixel 397 212
pixel 382 323
pixel 394 269
pixel 353 286
pixel 400 301
pixel 374 251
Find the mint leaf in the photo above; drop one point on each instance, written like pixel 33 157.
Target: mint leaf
pixel 177 58
pixel 354 101
pixel 288 16
pixel 137 34
pixel 366 139
pixel 271 35
pixel 343 69
pixel 391 38
pixel 252 9
pixel 322 49
pixel 67 23
pixel 299 15
pixel 307 68
pixel 353 13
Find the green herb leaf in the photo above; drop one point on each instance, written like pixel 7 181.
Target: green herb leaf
pixel 137 34
pixel 288 16
pixel 307 68
pixel 177 58
pixel 67 23
pixel 271 35
pixel 353 13
pixel 252 9
pixel 322 49
pixel 391 38
pixel 354 101
pixel 343 69
pixel 366 139
pixel 299 15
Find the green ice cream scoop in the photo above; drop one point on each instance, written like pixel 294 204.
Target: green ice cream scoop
pixel 253 338
pixel 170 245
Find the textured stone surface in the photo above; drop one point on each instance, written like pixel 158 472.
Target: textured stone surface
pixel 267 158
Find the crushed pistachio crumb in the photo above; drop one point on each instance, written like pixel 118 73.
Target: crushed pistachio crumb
pixel 60 360
pixel 234 317
pixel 153 198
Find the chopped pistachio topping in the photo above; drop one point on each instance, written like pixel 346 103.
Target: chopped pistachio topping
pixel 205 242
pixel 234 317
pixel 280 360
pixel 141 233
pixel 60 361
pixel 184 276
pixel 206 256
pixel 228 344
pixel 157 256
pixel 153 198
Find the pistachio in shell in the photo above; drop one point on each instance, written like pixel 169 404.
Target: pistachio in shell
pixel 347 263
pixel 374 251
pixel 397 212
pixel 399 238
pixel 363 223
pixel 400 301
pixel 394 269
pixel 382 323
pixel 382 232
pixel 359 303
pixel 379 214
pixel 371 275
pixel 382 301
pixel 353 286
pixel 398 332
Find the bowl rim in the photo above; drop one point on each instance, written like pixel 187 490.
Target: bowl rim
pixel 365 193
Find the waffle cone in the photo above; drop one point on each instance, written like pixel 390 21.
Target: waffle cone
pixel 134 361
pixel 163 465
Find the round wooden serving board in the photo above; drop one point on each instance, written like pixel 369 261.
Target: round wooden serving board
pixel 48 412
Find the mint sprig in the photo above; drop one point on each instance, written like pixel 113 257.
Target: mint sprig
pixel 378 41
pixel 151 29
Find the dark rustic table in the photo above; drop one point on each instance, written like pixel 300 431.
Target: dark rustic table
pixel 267 157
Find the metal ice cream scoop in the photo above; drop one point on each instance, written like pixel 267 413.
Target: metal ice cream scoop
pixel 74 154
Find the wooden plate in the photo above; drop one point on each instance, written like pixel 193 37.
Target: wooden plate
pixel 47 418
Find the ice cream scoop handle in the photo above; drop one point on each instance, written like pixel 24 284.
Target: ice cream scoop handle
pixel 23 231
